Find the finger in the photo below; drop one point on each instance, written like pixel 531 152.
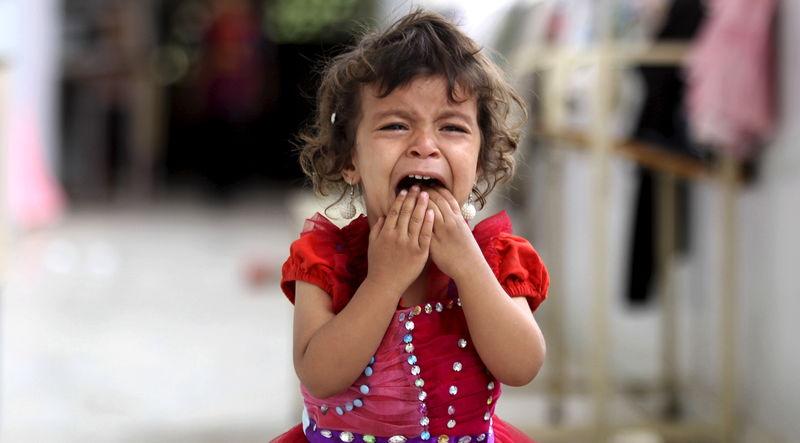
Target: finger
pixel 407 208
pixel 426 230
pixel 394 210
pixel 418 216
pixel 443 208
pixel 376 228
pixel 451 200
pixel 437 212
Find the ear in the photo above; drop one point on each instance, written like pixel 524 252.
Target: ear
pixel 350 173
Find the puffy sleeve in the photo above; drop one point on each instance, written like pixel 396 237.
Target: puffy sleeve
pixel 333 258
pixel 309 261
pixel 516 264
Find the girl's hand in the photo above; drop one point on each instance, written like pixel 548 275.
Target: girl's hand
pixel 453 248
pixel 399 242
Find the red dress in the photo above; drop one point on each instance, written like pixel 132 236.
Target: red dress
pixel 426 382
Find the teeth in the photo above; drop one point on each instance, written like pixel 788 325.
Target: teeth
pixel 419 177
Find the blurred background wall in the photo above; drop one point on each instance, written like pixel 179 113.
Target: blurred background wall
pixel 150 194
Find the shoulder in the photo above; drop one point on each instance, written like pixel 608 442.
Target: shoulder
pixel 517 265
pixel 326 255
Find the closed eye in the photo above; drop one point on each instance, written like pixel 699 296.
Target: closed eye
pixel 455 128
pixel 393 127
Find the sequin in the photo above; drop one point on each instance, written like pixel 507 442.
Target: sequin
pixel 451 424
pixel 402 317
pixel 462 343
pixel 397 439
pixel 422 395
pixel 423 408
pixel 358 403
pixel 368 371
pixel 323 409
pixel 465 439
pixel 415 370
pixel 487 416
pixel 428 308
pixel 457 366
pixel 368 438
pixel 425 435
pixel 412 359
pixel 417 310
pixel 443 438
pixel 410 325
pixel 326 433
pixel 489 400
pixel 339 410
pixel 451 410
pixel 490 386
pixel 348 406
pixel 364 389
pixel 481 437
pixel 410 347
pixel 453 390
pixel 419 382
pixel 439 307
pixel 407 338
pixel 346 436
pixel 424 421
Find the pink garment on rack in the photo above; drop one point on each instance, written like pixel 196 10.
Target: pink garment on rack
pixel 35 199
pixel 730 77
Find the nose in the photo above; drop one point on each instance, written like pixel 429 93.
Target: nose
pixel 424 146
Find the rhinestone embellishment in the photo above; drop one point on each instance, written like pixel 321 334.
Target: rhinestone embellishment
pixel 410 347
pixel 397 439
pixel 443 438
pixel 410 325
pixel 326 433
pixel 465 439
pixel 420 383
pixel 369 438
pixel 439 307
pixel 490 386
pixel 424 421
pixel 415 370
pixel 346 436
pixel 428 308
pixel 422 395
pixel 481 437
pixel 487 416
pixel 457 366
pixel 462 343
pixel 451 410
pixel 451 424
pixel 453 390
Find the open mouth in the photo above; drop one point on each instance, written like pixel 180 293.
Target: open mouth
pixel 423 181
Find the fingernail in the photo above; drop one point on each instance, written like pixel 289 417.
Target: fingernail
pixel 415 188
pixel 403 192
pixel 423 194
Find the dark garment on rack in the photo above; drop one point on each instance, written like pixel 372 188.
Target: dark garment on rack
pixel 662 123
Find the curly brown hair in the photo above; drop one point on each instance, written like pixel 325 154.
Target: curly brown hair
pixel 420 43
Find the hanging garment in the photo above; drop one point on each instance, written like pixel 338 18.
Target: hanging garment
pixel 730 77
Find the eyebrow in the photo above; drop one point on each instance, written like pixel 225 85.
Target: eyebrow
pixel 405 114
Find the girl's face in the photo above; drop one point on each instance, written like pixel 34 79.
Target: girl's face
pixel 414 131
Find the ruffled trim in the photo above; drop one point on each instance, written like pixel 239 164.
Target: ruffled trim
pixel 335 259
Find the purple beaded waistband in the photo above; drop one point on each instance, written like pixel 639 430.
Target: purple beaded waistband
pixel 318 435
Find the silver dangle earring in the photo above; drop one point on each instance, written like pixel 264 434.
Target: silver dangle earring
pixel 348 210
pixel 468 209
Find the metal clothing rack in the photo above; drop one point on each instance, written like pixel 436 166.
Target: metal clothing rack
pixel 606 56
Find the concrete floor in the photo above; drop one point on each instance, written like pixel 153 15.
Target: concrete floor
pixel 138 325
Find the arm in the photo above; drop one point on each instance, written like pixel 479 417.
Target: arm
pixel 331 350
pixel 503 329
